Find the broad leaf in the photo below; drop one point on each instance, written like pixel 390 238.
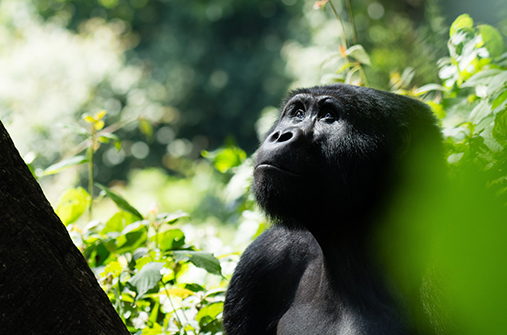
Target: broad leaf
pixel 64 164
pixel 492 39
pixel 358 53
pixel 72 205
pixel 200 259
pixel 461 22
pixel 120 201
pixel 146 279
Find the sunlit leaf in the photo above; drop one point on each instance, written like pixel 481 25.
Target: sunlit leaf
pixel 499 100
pixel 132 237
pixel 178 292
pixel 492 39
pixel 461 22
pixel 482 78
pixel 170 239
pixel 428 88
pixel 200 259
pixel 98 125
pixel 146 279
pixel 358 53
pixel 120 201
pixel 72 205
pixel 118 222
pixel 64 164
pixel 480 112
pixel 172 218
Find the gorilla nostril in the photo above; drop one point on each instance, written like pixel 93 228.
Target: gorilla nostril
pixel 274 136
pixel 285 137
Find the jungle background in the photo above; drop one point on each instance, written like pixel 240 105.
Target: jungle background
pixel 140 118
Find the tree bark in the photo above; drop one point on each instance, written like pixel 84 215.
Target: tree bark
pixel 46 285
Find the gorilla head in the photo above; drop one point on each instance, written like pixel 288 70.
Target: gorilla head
pixel 335 152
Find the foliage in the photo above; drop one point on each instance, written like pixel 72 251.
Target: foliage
pixel 141 262
pixel 473 107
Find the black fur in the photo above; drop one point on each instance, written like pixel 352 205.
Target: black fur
pixel 323 175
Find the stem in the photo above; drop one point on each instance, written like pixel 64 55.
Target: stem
pixel 351 19
pixel 344 39
pixel 90 172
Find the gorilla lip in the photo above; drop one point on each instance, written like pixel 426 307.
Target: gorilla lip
pixel 269 166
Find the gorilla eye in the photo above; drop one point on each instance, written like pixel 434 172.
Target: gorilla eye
pixel 300 114
pixel 328 116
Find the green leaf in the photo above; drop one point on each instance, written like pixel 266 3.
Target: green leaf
pixel 64 164
pixel 172 218
pixel 72 205
pixel 430 87
pixel 120 201
pixel 170 239
pixel 492 39
pixel 118 222
pixel 480 111
pixel 226 158
pixel 146 279
pixel 461 22
pixel 211 310
pixel 499 100
pixel 108 137
pixel 131 237
pixel 207 317
pixel 358 53
pixel 200 259
pixel 500 127
pixel 146 128
pixel 482 78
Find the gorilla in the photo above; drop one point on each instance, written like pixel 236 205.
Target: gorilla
pixel 323 175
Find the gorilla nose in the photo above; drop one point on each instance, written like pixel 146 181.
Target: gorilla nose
pixel 286 135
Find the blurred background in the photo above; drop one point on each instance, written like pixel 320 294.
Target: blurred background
pixel 189 88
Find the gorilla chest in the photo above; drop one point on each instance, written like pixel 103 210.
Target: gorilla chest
pixel 323 306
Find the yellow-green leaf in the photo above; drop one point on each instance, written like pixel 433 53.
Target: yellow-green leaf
pixel 462 21
pixel 72 205
pixel 492 40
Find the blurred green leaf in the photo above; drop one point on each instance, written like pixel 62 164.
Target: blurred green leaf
pixel 499 100
pixel 146 279
pixel 120 201
pixel 146 128
pixel 170 239
pixel 118 222
pixel 492 39
pixel 172 218
pixel 500 127
pixel 226 158
pixel 358 53
pixel 64 164
pixel 132 237
pixel 108 137
pixel 207 317
pixel 461 22
pixel 200 259
pixel 72 205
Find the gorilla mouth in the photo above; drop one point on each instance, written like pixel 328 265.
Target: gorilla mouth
pixel 267 166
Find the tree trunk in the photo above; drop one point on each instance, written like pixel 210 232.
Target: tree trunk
pixel 46 285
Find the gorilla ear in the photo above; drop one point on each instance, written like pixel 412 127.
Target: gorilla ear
pixel 403 141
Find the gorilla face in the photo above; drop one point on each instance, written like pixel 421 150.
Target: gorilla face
pixel 331 152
